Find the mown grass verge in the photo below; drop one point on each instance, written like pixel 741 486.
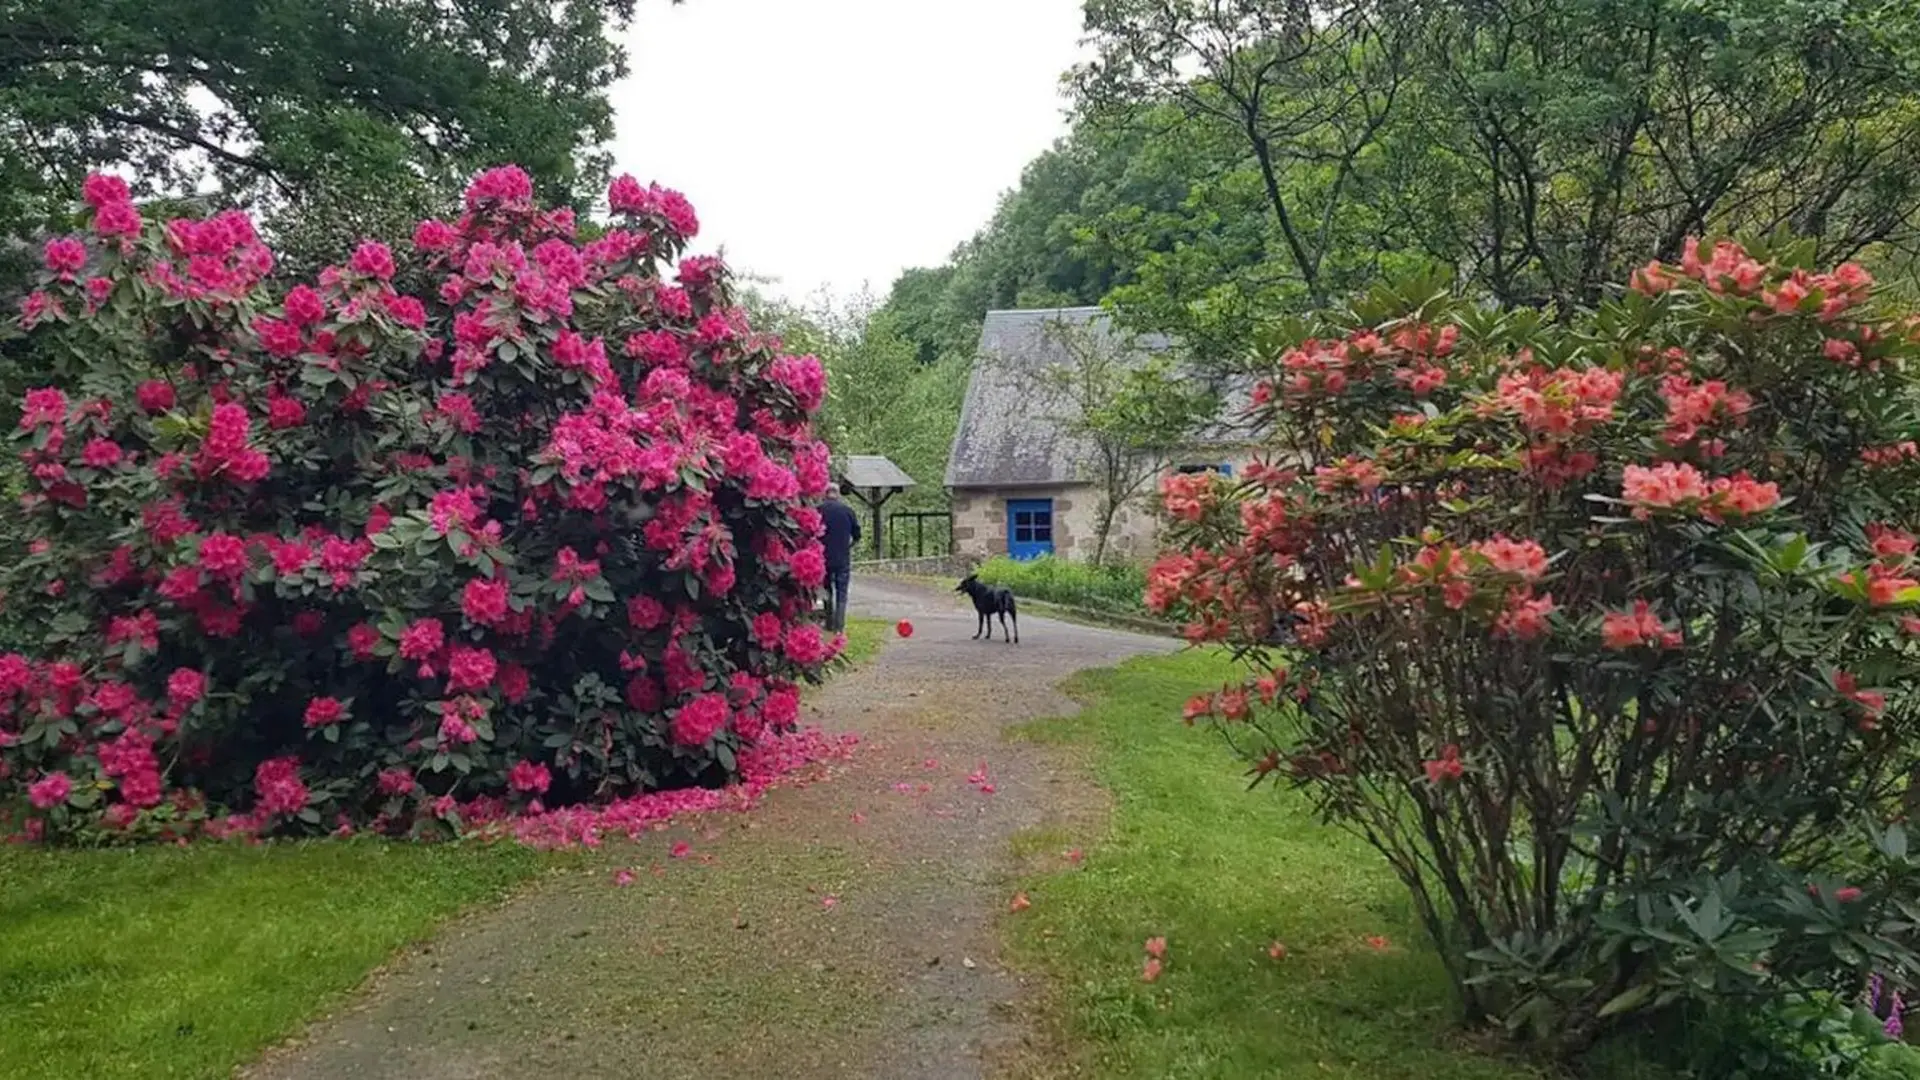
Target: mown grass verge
pixel 1224 875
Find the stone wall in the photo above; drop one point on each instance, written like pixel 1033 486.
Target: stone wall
pixel 980 520
pixel 954 566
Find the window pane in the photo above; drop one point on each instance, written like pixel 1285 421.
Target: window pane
pixel 1043 534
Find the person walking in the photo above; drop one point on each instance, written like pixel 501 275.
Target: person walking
pixel 843 531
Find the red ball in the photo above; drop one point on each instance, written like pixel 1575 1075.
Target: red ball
pixel 904 628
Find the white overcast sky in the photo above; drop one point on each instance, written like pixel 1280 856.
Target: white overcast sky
pixel 834 143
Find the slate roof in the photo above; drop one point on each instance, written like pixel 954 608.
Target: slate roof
pixel 874 471
pixel 1004 438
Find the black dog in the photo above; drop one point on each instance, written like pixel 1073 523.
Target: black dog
pixel 988 601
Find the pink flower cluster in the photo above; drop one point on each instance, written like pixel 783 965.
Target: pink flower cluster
pixel 428 518
pixel 1679 486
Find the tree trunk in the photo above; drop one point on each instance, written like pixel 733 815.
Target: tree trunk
pixel 1109 508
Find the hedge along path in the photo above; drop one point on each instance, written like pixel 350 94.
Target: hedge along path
pixel 844 928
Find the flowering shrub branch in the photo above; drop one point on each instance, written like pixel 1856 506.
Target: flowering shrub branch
pixel 1602 634
pixel 491 514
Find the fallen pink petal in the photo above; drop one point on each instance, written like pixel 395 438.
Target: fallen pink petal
pixel 623 877
pixel 681 850
pixel 829 902
pixel 1156 947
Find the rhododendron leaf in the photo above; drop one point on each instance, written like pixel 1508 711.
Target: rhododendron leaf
pixel 172 425
pixel 725 755
pixel 557 740
pixel 1629 1000
pixel 597 590
pixel 331 733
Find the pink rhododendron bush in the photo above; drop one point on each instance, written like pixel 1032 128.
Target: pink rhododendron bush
pixel 487 519
pixel 1604 633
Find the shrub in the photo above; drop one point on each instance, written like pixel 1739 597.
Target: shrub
pixel 1116 588
pixel 1801 1037
pixel 1601 632
pixel 487 518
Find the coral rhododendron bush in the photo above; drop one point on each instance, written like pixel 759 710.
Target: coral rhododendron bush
pixel 487 516
pixel 1604 633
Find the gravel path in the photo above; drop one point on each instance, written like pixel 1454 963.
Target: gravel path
pixel 843 929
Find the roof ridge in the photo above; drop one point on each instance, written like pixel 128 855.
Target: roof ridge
pixel 1075 309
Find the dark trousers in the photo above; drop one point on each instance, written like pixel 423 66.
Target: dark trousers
pixel 839 578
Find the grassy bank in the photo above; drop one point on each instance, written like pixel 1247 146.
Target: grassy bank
pixel 1115 590
pixel 1223 875
pixel 165 962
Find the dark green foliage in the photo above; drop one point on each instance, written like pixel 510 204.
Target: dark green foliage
pixel 1115 589
pixel 286 103
pixel 1532 150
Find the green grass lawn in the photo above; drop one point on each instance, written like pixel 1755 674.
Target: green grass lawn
pixel 864 637
pixel 1222 873
pixel 183 962
pixel 170 962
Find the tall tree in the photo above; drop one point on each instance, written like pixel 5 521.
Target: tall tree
pixel 277 102
pixel 1535 148
pixel 1308 86
pixel 1591 135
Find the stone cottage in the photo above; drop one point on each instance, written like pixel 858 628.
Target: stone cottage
pixel 1021 486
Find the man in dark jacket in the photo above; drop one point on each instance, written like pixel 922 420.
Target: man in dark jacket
pixel 843 531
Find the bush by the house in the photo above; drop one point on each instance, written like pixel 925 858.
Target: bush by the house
pixel 1114 588
pixel 1604 634
pixel 489 517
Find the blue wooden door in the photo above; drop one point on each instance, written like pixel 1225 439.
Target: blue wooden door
pixel 1029 528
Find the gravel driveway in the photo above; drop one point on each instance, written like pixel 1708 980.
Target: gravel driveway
pixel 846 928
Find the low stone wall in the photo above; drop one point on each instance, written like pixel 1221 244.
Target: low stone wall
pixel 956 566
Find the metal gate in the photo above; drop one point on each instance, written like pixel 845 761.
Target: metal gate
pixel 919 534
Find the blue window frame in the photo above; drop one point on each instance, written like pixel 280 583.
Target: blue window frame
pixel 1029 528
